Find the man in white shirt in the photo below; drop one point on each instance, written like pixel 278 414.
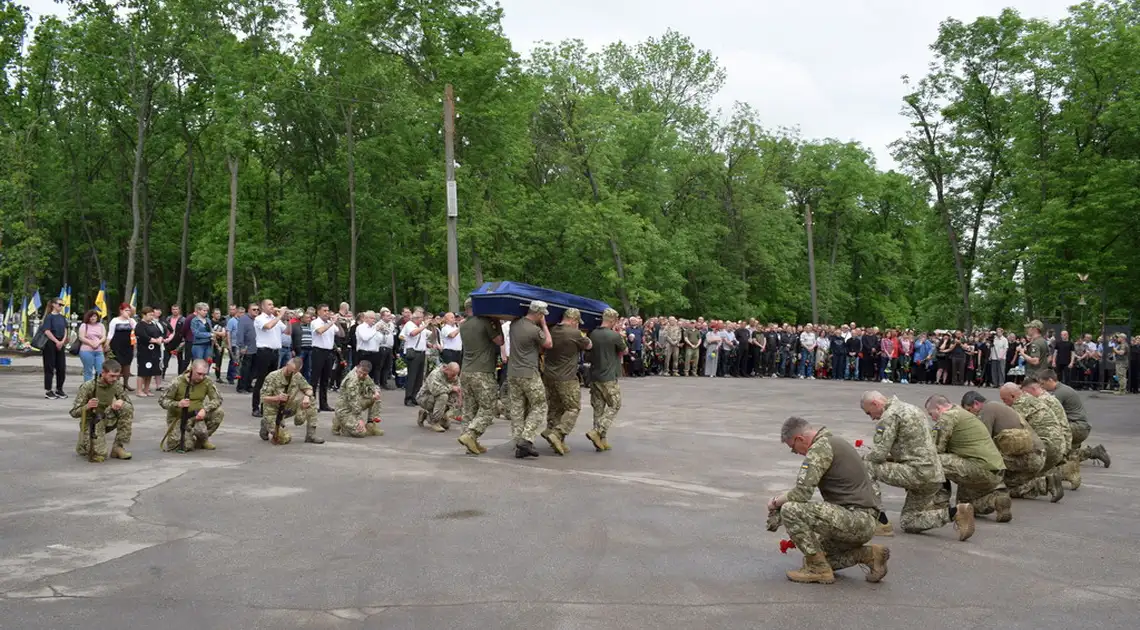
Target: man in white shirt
pixel 414 337
pixel 325 330
pixel 807 352
pixel 449 338
pixel 386 340
pixel 368 344
pixel 267 328
pixel 997 358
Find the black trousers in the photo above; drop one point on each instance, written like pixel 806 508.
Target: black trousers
pixel 839 366
pixel 55 364
pixel 451 356
pixel 415 361
pixel 324 362
pixel 245 372
pixel 264 362
pixel 374 359
pixel 382 367
pixel 957 370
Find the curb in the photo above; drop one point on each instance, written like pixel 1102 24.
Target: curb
pixel 35 369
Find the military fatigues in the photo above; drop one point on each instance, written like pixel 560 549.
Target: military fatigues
pixel 560 378
pixel 357 410
pixel 846 519
pixel 480 389
pixel 903 437
pixel 1120 360
pixel 605 394
pixel 1055 437
pixel 1037 349
pixel 276 383
pixel 203 397
pixel 970 459
pixel 118 421
pixel 691 336
pixel 1021 449
pixel 526 406
pixel 438 403
pixel 672 335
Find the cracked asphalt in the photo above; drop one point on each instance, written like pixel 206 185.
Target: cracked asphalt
pixel 405 531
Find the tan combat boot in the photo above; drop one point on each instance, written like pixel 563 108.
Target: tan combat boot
pixel 816 570
pixel 470 443
pixel 119 453
pixel 884 530
pixel 421 416
pixel 373 428
pixel 1072 473
pixel 875 559
pixel 555 440
pixel 206 445
pixel 964 521
pixel 605 443
pixel 436 428
pixel 596 439
pixel 98 459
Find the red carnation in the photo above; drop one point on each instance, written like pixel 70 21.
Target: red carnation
pixel 210 361
pixel 858 443
pixel 785 545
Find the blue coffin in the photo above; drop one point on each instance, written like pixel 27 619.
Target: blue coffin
pixel 510 299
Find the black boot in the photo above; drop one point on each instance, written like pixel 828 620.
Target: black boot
pixel 524 449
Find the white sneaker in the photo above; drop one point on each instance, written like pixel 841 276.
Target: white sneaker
pixel 811 378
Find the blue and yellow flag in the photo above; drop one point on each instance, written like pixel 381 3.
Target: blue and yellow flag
pixel 135 299
pixel 33 307
pixel 23 334
pixel 101 300
pixel 9 316
pixel 67 301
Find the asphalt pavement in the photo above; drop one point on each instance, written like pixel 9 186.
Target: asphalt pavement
pixel 406 531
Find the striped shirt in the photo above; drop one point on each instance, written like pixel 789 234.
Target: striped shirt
pixel 306 335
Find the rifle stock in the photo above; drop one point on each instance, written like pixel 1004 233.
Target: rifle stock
pixel 183 420
pixel 278 422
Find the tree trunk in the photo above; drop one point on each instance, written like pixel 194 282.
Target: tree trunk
pixel 478 265
pixel 392 269
pixel 232 162
pixel 811 265
pixel 352 239
pixel 136 184
pixel 184 258
pixel 625 304
pixel 66 253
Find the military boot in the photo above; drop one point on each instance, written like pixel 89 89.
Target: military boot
pixel 98 459
pixel 525 448
pixel 118 452
pixel 605 443
pixel 1054 486
pixel 596 439
pixel 373 428
pixel 1071 471
pixel 311 435
pixel 964 521
pixel 470 443
pixel 816 570
pixel 884 530
pixel 875 559
pixel 421 417
pixel 1003 507
pixel 1098 452
pixel 435 427
pixel 555 439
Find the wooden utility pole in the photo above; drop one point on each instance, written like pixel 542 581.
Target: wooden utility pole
pixel 811 264
pixel 452 199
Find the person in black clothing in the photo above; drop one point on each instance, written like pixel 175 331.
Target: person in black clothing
pixel 854 345
pixel 743 352
pixel 957 360
pixel 771 350
pixel 54 352
pixel 756 350
pixel 870 350
pixel 1062 357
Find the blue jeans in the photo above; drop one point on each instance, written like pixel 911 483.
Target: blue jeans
pixel 201 351
pixel 853 367
pixel 807 362
pixel 785 363
pixel 283 356
pixel 92 363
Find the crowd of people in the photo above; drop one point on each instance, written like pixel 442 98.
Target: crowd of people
pixel 472 370
pixel 684 347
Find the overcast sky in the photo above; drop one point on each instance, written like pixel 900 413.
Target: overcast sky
pixel 830 67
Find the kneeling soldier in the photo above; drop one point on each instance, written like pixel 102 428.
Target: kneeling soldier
pixel 358 404
pixel 834 533
pixel 439 398
pixel 193 392
pixel 969 458
pixel 287 393
pixel 103 405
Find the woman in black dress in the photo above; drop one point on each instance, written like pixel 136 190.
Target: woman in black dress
pixel 121 341
pixel 149 335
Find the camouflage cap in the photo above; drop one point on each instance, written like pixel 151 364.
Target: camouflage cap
pixel 538 306
pixel 1035 324
pixel 467 304
pixel 572 313
pixel 610 314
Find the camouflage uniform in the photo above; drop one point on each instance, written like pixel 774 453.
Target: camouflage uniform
pixel 564 403
pixel 118 421
pixel 672 334
pixel 276 383
pixel 837 531
pixel 203 396
pixel 436 400
pixel 526 406
pixel 904 456
pixel 480 398
pixel 693 336
pixel 1056 438
pixel 605 398
pixel 356 407
pixel 1024 454
pixel 978 483
pixel 1121 361
pixel 1038 349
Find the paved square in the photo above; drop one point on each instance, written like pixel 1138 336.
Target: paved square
pixel 404 531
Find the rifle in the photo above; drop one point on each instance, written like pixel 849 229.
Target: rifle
pixel 89 429
pixel 183 420
pixel 277 423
